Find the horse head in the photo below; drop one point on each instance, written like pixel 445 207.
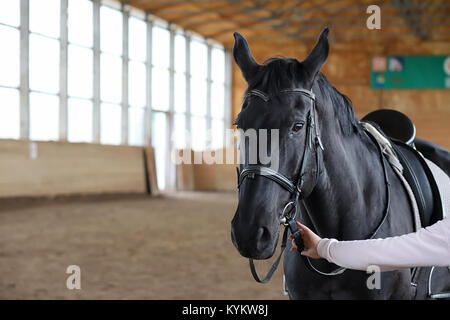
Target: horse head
pixel 278 97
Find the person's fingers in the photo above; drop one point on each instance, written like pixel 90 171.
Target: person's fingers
pixel 294 246
pixel 301 225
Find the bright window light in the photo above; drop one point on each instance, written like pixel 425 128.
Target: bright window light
pixel 218 65
pixel 111 30
pixel 198 133
pixel 217 134
pixel 137 84
pixel 180 53
pixel 80 22
pixel 110 78
pixel 9 114
pixel 136 118
pixel 160 47
pixel 80 70
pixel 9 57
pixel 159 141
pixel 79 120
pixel 180 92
pixel 137 42
pixel 180 131
pixel 10 12
pixel 44 17
pixel 160 89
pixel 198 97
pixel 44 116
pixel 199 58
pixel 217 100
pixel 110 124
pixel 44 64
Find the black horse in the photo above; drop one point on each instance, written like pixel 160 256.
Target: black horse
pixel 348 198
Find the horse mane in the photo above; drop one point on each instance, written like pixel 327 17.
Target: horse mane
pixel 279 73
pixel 343 106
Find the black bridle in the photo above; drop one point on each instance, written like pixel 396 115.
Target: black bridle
pixel 300 188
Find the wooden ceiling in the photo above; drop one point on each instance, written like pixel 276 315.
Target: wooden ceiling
pixel 294 22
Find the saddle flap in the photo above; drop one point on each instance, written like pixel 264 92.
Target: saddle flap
pixel 422 183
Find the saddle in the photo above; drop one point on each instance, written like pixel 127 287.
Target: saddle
pixel 400 131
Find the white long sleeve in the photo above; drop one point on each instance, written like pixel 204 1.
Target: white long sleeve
pixel 427 247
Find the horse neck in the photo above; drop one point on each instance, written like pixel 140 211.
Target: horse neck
pixel 349 197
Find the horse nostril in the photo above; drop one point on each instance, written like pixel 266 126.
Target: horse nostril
pixel 263 235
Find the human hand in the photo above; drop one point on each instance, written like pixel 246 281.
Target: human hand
pixel 310 240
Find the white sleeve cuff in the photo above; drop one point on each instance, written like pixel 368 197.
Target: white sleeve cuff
pixel 323 248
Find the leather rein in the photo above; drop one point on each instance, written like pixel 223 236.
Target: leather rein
pixel 300 188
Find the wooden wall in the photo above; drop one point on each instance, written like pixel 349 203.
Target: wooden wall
pixel 60 168
pixel 206 177
pixel 348 68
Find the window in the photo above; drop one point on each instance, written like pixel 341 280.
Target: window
pixel 44 17
pixel 199 59
pixel 110 78
pixel 198 97
pixel 160 92
pixel 110 125
pixel 79 120
pixel 44 64
pixel 218 89
pixel 161 47
pixel 137 81
pixel 198 134
pixel 111 31
pixel 180 53
pixel 180 92
pixel 80 72
pixel 137 84
pixel 160 89
pixel 9 113
pixel 44 67
pixel 9 69
pixel 160 71
pixel 10 12
pixel 110 60
pixel 44 116
pixel 9 56
pixel 80 19
pixel 137 39
pixel 159 141
pixel 180 73
pixel 136 117
pixel 179 137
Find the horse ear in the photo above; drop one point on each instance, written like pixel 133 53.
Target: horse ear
pixel 243 57
pixel 318 55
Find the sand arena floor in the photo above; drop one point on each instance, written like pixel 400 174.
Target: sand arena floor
pixel 128 247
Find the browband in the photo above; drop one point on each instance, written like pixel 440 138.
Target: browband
pixel 266 97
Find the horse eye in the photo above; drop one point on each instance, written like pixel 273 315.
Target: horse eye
pixel 297 127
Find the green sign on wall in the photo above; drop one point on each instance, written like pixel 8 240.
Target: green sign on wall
pixel 410 72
